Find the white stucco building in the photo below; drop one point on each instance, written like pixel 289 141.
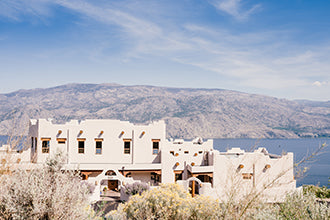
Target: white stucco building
pixel 114 153
pixel 13 159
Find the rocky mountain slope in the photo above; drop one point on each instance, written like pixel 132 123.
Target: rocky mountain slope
pixel 209 113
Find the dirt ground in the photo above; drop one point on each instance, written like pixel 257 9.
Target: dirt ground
pixel 109 201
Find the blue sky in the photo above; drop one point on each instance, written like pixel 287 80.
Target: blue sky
pixel 279 48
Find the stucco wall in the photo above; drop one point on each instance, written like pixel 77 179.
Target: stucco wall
pixel 112 132
pixel 184 153
pixel 271 176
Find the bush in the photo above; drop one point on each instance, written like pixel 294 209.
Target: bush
pixel 320 192
pixel 135 188
pixel 203 207
pixel 166 202
pixel 169 201
pixel 303 206
pixel 44 193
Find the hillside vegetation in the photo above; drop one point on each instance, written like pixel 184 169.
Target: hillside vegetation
pixel 209 113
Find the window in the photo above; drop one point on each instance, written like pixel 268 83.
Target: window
pixel 178 175
pixel 156 177
pixel 61 140
pixel 98 145
pixel 110 173
pixel 172 152
pixel 155 146
pixel 186 152
pixel 247 176
pixel 45 145
pixel 81 147
pixel 32 144
pixel 127 146
pixel 35 144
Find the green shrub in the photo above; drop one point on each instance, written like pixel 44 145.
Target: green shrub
pixel 303 206
pixel 320 192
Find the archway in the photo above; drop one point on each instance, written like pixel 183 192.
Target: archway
pixel 194 186
pixel 113 185
pixel 110 173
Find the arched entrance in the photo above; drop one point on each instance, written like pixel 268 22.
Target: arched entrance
pixel 194 186
pixel 113 185
pixel 112 182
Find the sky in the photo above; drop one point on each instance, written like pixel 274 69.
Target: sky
pixel 277 48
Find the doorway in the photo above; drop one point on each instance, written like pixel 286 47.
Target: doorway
pixel 113 185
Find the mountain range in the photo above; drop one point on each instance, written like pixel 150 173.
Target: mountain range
pixel 208 113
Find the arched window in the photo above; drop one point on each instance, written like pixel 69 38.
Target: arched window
pixel 110 173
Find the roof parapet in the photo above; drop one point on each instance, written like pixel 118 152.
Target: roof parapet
pixel 235 150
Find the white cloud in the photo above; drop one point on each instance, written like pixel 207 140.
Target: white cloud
pixel 131 24
pixel 15 9
pixel 319 84
pixel 257 60
pixel 305 57
pixel 235 8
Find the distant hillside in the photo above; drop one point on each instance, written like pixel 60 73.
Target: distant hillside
pixel 314 103
pixel 209 113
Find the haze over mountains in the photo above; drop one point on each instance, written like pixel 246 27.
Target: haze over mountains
pixel 209 113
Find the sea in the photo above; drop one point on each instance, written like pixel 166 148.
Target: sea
pixel 318 172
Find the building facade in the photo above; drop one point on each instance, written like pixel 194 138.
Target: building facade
pixel 113 153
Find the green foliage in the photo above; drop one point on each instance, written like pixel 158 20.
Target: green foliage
pixel 320 192
pixel 303 206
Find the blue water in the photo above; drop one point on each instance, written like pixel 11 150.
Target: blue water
pixel 19 141
pixel 3 139
pixel 319 167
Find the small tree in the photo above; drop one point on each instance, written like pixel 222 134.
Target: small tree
pixel 46 192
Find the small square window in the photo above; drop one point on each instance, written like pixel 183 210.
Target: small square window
pixel 247 176
pixel 45 146
pixel 61 140
pixel 81 147
pixel 172 152
pixel 98 145
pixel 155 146
pixel 127 146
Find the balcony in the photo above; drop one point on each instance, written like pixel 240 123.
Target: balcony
pixel 200 169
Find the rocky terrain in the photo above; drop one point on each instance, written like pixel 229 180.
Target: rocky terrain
pixel 209 113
